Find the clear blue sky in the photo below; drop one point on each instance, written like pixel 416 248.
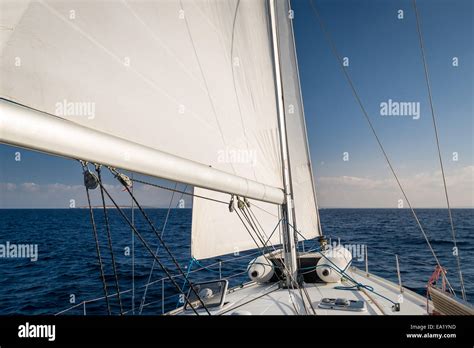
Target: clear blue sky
pixel 385 63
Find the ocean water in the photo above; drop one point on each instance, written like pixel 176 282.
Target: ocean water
pixel 66 272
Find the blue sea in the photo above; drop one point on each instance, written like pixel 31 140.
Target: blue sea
pixel 66 275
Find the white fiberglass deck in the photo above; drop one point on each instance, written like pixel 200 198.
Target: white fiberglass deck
pixel 259 299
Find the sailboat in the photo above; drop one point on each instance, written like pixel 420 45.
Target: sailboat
pixel 204 93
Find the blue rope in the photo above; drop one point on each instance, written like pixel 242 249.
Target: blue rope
pixel 357 284
pixel 206 268
pixel 190 265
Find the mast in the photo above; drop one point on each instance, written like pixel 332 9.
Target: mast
pixel 289 223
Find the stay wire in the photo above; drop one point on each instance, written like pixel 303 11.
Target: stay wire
pixel 264 247
pixel 162 242
pixel 109 239
pixel 142 303
pixel 365 114
pixel 255 222
pixel 246 207
pixel 178 191
pixel 433 117
pixel 206 198
pixel 96 238
pixel 263 254
pixel 147 246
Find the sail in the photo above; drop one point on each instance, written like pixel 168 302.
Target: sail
pixel 175 76
pixel 214 230
pixel 191 80
pixel 302 180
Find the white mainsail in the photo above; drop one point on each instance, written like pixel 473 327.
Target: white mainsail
pixel 156 73
pixel 189 79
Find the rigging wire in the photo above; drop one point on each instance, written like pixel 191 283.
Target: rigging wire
pixel 179 191
pixel 433 117
pixel 109 239
pixel 157 249
pixel 263 254
pixel 217 201
pixel 201 268
pixel 273 232
pixel 184 192
pixel 243 206
pixel 162 242
pixel 254 220
pixel 96 238
pixel 133 253
pixel 366 115
pixel 147 246
pixel 247 218
pixel 254 229
pixel 272 214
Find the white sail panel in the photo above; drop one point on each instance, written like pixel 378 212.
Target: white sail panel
pixel 302 181
pixel 216 231
pixel 156 73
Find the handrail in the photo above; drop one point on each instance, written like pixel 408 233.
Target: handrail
pixel 219 263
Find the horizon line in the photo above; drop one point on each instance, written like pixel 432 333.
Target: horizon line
pixel 152 207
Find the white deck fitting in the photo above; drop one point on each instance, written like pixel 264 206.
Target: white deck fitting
pixel 278 302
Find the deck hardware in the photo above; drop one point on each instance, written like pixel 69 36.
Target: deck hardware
pixel 398 273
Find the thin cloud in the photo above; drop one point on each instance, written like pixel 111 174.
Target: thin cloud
pixel 7 186
pixel 30 187
pixel 424 189
pixel 58 195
